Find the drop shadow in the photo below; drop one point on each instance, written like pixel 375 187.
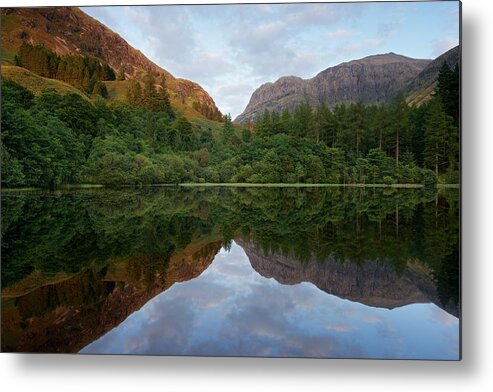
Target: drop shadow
pixel 37 364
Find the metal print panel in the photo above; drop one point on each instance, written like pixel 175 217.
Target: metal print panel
pixel 265 180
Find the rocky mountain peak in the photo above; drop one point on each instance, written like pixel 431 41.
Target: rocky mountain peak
pixel 372 79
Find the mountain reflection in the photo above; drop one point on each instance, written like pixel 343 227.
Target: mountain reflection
pixel 77 264
pixel 370 283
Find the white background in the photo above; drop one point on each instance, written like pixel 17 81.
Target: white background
pixel 474 373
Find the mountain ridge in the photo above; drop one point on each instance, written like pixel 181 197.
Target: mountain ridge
pixel 371 79
pixel 372 283
pixel 69 30
pixel 421 88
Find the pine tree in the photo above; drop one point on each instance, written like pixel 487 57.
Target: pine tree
pixel 228 129
pixel 448 90
pixel 326 125
pixel 163 97
pixel 381 127
pixel 246 135
pixel 400 123
pixel 134 93
pixel 303 121
pixel 276 126
pixel 263 124
pixel 356 125
pixel 438 130
pixel 150 97
pixel 344 137
pixel 286 122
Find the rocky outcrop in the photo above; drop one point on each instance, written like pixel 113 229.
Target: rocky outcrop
pixel 371 283
pixel 372 79
pixel 68 30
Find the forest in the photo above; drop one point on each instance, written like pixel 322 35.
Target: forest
pixel 83 72
pixel 53 140
pixel 68 231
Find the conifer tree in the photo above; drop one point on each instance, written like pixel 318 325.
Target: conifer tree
pixel 228 129
pixel 303 120
pixel 448 90
pixel 275 126
pixel 134 93
pixel 400 123
pixel 150 98
pixel 263 124
pixel 163 97
pixel 326 125
pixel 286 122
pixel 438 130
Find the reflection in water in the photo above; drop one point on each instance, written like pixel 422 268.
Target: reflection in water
pixel 303 272
pixel 232 310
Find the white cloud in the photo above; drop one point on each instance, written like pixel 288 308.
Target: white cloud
pixel 365 47
pixel 341 328
pixel 340 33
pixel 203 65
pixel 301 15
pixel 441 46
pixel 219 46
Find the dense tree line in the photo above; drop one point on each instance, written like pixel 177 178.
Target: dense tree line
pixel 52 139
pixel 356 225
pixel 207 111
pixel 374 142
pixel 151 96
pixel 83 72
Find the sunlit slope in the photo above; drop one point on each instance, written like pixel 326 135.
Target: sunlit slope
pixel 36 83
pixel 68 30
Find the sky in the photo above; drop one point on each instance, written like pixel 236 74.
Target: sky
pixel 230 50
pixel 230 309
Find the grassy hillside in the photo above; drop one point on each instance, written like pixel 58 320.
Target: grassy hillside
pixel 421 89
pixel 36 83
pixel 8 57
pixel 69 31
pixel 117 91
pixel 421 96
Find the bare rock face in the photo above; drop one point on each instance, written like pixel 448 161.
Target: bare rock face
pixel 287 93
pixel 68 30
pixel 372 79
pixel 373 283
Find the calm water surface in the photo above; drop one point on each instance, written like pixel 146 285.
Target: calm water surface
pixel 360 273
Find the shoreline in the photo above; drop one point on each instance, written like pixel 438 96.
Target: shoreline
pixel 234 185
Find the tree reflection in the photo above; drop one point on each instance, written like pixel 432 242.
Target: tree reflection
pixel 76 249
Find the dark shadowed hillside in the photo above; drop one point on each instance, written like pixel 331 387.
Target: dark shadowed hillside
pixel 422 87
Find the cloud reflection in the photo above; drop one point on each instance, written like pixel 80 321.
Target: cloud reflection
pixel 231 310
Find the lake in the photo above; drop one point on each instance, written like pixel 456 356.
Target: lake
pixel 277 272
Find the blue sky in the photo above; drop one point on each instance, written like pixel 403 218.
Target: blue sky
pixel 233 49
pixel 230 309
